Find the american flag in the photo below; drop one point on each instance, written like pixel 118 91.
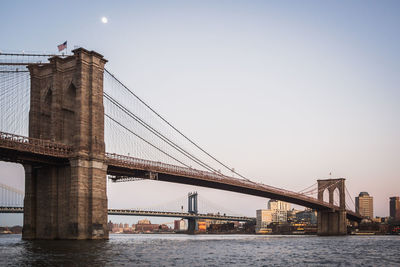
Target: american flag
pixel 62 46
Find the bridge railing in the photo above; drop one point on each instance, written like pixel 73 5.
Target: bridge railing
pixel 34 145
pixel 129 162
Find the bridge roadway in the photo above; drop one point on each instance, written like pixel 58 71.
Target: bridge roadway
pixel 22 149
pixel 130 212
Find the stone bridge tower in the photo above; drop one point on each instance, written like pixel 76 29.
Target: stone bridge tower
pixel 332 222
pixel 68 201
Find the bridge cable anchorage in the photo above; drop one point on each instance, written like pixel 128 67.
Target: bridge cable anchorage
pixel 173 127
pixel 160 135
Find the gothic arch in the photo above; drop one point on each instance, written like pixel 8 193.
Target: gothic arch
pixel 45 115
pixel 69 97
pixel 336 196
pixel 69 114
pixel 325 195
pixel 331 185
pixel 47 100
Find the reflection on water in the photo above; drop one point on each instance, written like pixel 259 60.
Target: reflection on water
pixel 201 250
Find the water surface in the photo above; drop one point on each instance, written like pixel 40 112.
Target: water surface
pixel 204 250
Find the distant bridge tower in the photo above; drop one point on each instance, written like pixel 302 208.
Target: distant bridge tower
pixel 192 203
pixel 332 222
pixel 192 209
pixel 69 200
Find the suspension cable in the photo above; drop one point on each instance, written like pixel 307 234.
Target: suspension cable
pixel 306 188
pixel 144 140
pixel 158 134
pixel 168 123
pixel 347 191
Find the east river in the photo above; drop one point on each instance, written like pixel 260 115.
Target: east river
pixel 204 250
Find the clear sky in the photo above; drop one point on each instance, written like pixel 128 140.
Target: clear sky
pixel 284 91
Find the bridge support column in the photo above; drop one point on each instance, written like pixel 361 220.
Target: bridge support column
pixel 331 222
pixel 69 200
pixel 192 226
pixel 29 230
pixel 192 209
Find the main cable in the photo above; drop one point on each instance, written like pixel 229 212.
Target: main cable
pixel 173 127
pixel 158 134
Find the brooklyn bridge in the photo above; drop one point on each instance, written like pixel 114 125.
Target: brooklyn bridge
pixel 71 124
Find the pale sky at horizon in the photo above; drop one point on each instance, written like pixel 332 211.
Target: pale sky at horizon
pixel 284 91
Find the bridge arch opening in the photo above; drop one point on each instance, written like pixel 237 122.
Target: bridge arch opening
pixel 336 197
pixel 325 195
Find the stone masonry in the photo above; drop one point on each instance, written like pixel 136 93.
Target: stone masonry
pixel 68 201
pixel 332 222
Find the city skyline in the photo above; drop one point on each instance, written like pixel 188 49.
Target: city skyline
pixel 306 93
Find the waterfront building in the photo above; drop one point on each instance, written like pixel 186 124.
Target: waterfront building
pixel 278 205
pixel 213 221
pixel 179 225
pixel 307 216
pixel 395 208
pixel 146 226
pixel 279 210
pixel 144 221
pixel 164 228
pixel 364 205
pixel 291 215
pixel 380 219
pixel 263 219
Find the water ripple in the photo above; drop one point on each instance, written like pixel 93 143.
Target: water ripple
pixel 204 250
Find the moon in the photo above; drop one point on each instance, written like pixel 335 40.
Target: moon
pixel 104 20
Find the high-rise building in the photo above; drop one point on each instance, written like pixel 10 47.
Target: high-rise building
pixel 365 205
pixel 279 210
pixel 395 208
pixel 308 216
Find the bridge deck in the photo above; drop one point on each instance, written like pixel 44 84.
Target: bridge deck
pixel 19 149
pixel 130 212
